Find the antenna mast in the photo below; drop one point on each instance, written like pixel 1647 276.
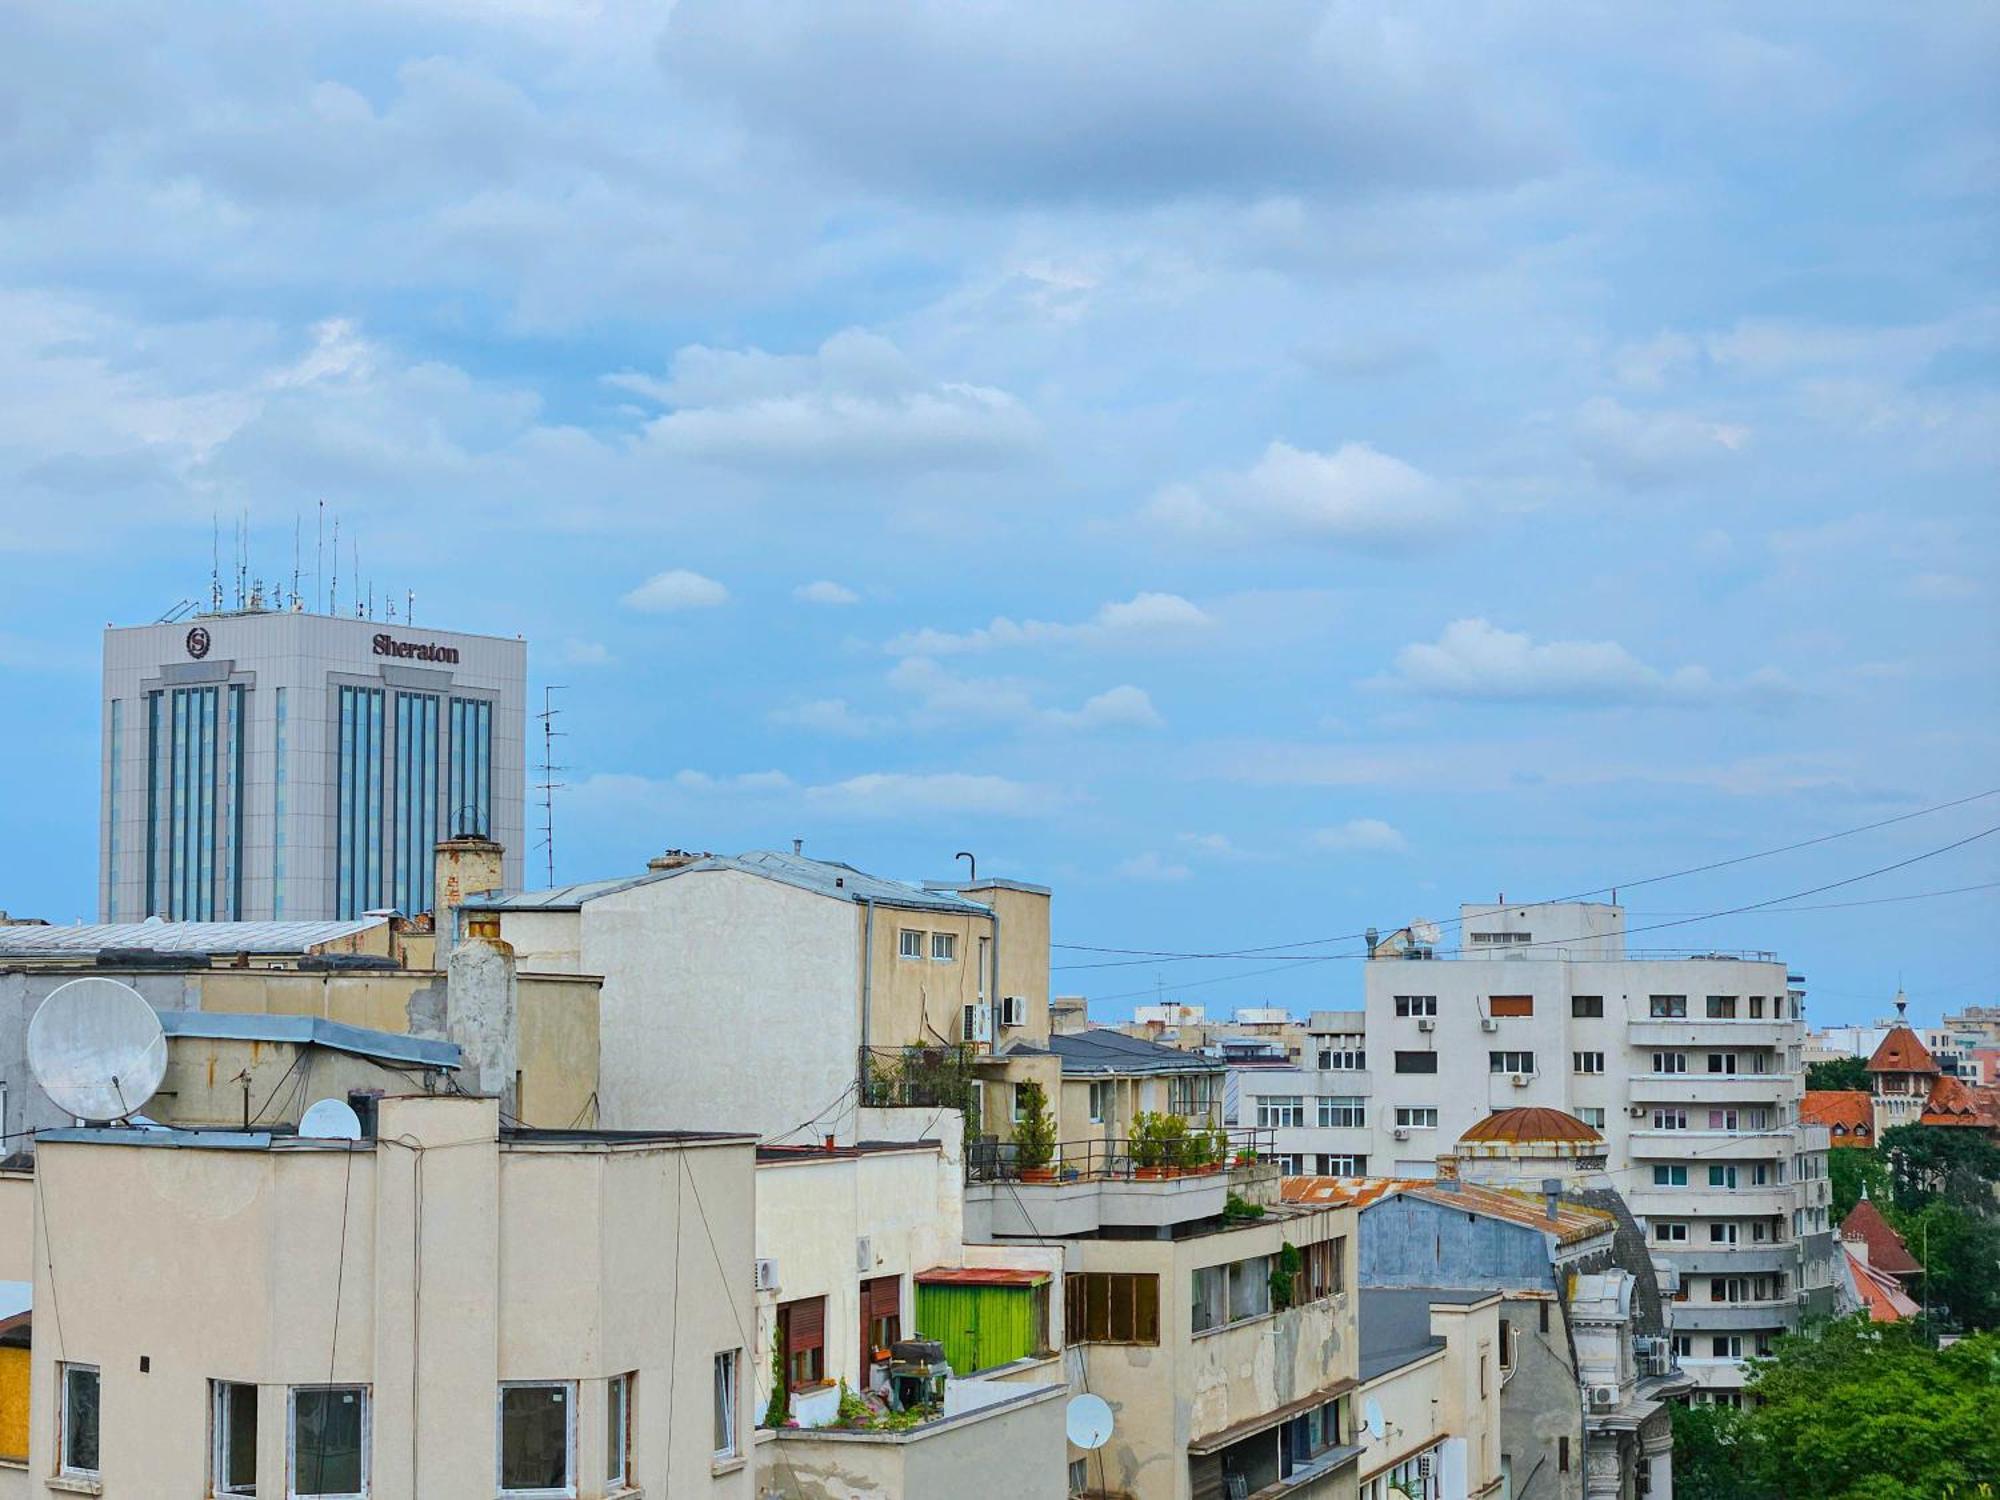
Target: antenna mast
pixel 548 786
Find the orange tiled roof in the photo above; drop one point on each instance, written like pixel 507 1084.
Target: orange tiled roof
pixel 1358 1191
pixel 1848 1113
pixel 1572 1221
pixel 1886 1251
pixel 1956 1102
pixel 1902 1051
pixel 1531 1122
pixel 1886 1302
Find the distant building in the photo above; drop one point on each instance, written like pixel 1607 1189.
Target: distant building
pixel 1911 1089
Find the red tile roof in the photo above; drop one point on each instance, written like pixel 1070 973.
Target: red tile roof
pixel 1953 1101
pixel 1886 1251
pixel 1359 1191
pixel 1849 1113
pixel 1530 1123
pixel 1572 1222
pixel 1902 1051
pixel 1885 1300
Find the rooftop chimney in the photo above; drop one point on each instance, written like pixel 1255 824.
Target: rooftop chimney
pixel 1552 1194
pixel 673 859
pixel 798 846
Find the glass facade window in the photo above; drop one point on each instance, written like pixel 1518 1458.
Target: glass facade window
pixel 280 795
pixel 471 807
pixel 358 778
pixel 114 834
pixel 416 822
pixel 232 802
pixel 191 805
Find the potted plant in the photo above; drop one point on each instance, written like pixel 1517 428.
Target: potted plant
pixel 1148 1149
pixel 1034 1136
pixel 1173 1136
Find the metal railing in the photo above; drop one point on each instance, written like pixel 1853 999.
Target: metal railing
pixel 1117 1158
pixel 939 1077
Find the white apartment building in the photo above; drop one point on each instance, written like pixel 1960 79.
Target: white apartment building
pixel 1688 1065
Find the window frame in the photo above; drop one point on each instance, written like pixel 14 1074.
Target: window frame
pixel 1586 1007
pixel 1281 1111
pixel 619 1445
pixel 1504 1061
pixel 727 1396
pixel 948 941
pixel 1510 1007
pixel 1409 1007
pixel 1411 1057
pixel 64 1369
pixel 1138 1288
pixel 1103 1100
pixel 1408 1117
pixel 910 943
pixel 1332 1108
pixel 568 1388
pixel 367 1397
pixel 1666 1007
pixel 220 1427
pixel 1587 1062
pixel 785 1316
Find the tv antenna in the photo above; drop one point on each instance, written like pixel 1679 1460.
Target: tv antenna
pixel 97 1049
pixel 548 786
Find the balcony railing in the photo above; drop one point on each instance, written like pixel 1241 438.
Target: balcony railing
pixel 939 1077
pixel 1116 1158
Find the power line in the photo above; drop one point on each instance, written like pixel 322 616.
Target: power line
pixel 1151 955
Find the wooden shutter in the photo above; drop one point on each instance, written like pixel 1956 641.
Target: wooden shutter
pixel 805 1325
pixel 1513 1005
pixel 885 1297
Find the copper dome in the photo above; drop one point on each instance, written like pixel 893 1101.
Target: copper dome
pixel 1532 1122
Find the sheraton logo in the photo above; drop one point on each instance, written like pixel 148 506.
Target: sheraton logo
pixel 388 645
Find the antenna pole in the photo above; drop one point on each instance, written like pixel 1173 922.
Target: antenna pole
pixel 548 786
pixel 333 588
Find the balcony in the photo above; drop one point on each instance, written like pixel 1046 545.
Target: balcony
pixel 1698 1031
pixel 1704 1146
pixel 1698 1198
pixel 1698 1317
pixel 1724 1089
pixel 1745 1259
pixel 1109 1183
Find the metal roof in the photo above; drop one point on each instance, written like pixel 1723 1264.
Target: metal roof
pixel 1396 1324
pixel 824 877
pixel 87 938
pixel 1105 1051
pixel 312 1031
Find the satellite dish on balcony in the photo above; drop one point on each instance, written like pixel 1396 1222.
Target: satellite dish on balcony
pixel 1088 1419
pixel 97 1049
pixel 1371 1418
pixel 330 1120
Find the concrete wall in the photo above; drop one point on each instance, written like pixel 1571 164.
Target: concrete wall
pixel 17 1226
pixel 1015 1450
pixel 1442 1397
pixel 920 1001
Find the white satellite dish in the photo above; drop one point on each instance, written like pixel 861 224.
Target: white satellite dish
pixel 1371 1418
pixel 1088 1419
pixel 1426 932
pixel 331 1120
pixel 97 1049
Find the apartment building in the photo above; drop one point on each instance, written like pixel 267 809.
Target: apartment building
pixel 444 1307
pixel 1431 1377
pixel 1316 1109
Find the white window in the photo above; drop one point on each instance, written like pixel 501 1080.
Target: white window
pixel 1417 1119
pixel 725 1404
pixel 77 1420
pixel 618 1432
pixel 1280 1110
pixel 1592 1117
pixel 1079 1475
pixel 1342 1164
pixel 944 946
pixel 1670 1119
pixel 328 1434
pixel 1728 1346
pixel 1510 1062
pixel 1670 1062
pixel 232 1437
pixel 1416 1005
pixel 1343 1111
pixel 1683 1346
pixel 1667 1007
pixel 1722 1062
pixel 1670 1176
pixel 1588 1062
pixel 1670 1234
pixel 910 943
pixel 1722 1234
pixel 537 1437
pixel 1343 1054
pixel 1103 1099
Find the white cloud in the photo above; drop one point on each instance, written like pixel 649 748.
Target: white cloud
pixel 1474 659
pixel 1941 587
pixel 895 794
pixel 1150 866
pixel 1122 707
pixel 949 701
pixel 1362 836
pixel 578 653
pixel 831 716
pixel 1640 449
pixel 855 404
pixel 1144 617
pixel 676 589
pixel 825 591
pixel 1355 496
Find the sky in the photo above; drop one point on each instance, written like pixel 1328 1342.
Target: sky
pixel 1263 471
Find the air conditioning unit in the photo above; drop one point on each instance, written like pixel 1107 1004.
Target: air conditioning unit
pixel 1423 1466
pixel 1487 1023
pixel 1426 1023
pixel 981 1029
pixel 1603 1397
pixel 1014 1010
pixel 1522 1080
pixel 864 1254
pixel 1402 1132
pixel 767 1276
pixel 1636 1111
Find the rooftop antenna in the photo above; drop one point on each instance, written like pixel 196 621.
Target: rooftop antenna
pixel 319 559
pixel 971 865
pixel 548 786
pixel 409 606
pixel 294 602
pixel 356 585
pixel 333 588
pixel 97 1049
pixel 214 563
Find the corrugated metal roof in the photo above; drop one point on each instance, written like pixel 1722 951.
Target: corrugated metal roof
pixel 825 877
pixel 1106 1051
pixel 978 1276
pixel 302 1031
pixel 179 937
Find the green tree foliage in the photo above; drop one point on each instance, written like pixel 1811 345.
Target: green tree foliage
pixel 1035 1131
pixel 1962 1251
pixel 1951 1162
pixel 1852 1411
pixel 1849 1168
pixel 1838 1073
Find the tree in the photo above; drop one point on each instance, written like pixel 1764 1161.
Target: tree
pixel 1035 1131
pixel 1954 1162
pixel 1707 1462
pixel 1961 1251
pixel 1851 1168
pixel 1839 1073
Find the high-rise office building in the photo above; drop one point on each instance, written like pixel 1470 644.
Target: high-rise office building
pixel 268 764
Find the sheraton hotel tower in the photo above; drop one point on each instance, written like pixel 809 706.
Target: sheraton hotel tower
pixel 269 765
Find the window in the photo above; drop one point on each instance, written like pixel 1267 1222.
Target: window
pixel 1670 1234
pixel 802 1331
pixel 1417 1119
pixel 329 1440
pixel 618 1423
pixel 537 1437
pixel 1192 1095
pixel 1416 1005
pixel 1324 1273
pixel 76 1429
pixel 1020 1102
pixel 1103 1099
pixel 1562 1454
pixel 1416 1062
pixel 1670 1119
pixel 1670 1177
pixel 1511 1005
pixel 1506 1345
pixel 1342 1164
pixel 1079 1475
pixel 1231 1292
pixel 1670 1062
pixel 1111 1307
pixel 1510 1062
pixel 1500 939
pixel 1591 1117
pixel 881 1315
pixel 910 943
pixel 1722 1062
pixel 1727 1346
pixel 232 1437
pixel 1722 1119
pixel 1289 1163
pixel 1722 1234
pixel 1722 1177
pixel 1587 1007
pixel 1721 1007
pixel 1280 1110
pixel 1344 1054
pixel 944 946
pixel 1588 1062
pixel 1342 1111
pixel 725 1404
pixel 1667 1007
pixel 471 797
pixel 1756 1007
pixel 1683 1346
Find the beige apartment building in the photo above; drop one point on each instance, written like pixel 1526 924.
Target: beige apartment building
pixel 445 1308
pixel 1433 1363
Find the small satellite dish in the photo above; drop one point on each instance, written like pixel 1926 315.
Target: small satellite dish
pixel 331 1120
pixel 1088 1419
pixel 1425 931
pixel 1371 1418
pixel 97 1049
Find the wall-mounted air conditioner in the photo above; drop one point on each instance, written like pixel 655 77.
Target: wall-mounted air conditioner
pixel 1487 1023
pixel 981 1017
pixel 1636 1111
pixel 1521 1080
pixel 1014 1010
pixel 1402 1132
pixel 864 1254
pixel 1603 1397
pixel 1426 1023
pixel 767 1276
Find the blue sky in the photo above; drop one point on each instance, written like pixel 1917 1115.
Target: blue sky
pixel 1263 470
